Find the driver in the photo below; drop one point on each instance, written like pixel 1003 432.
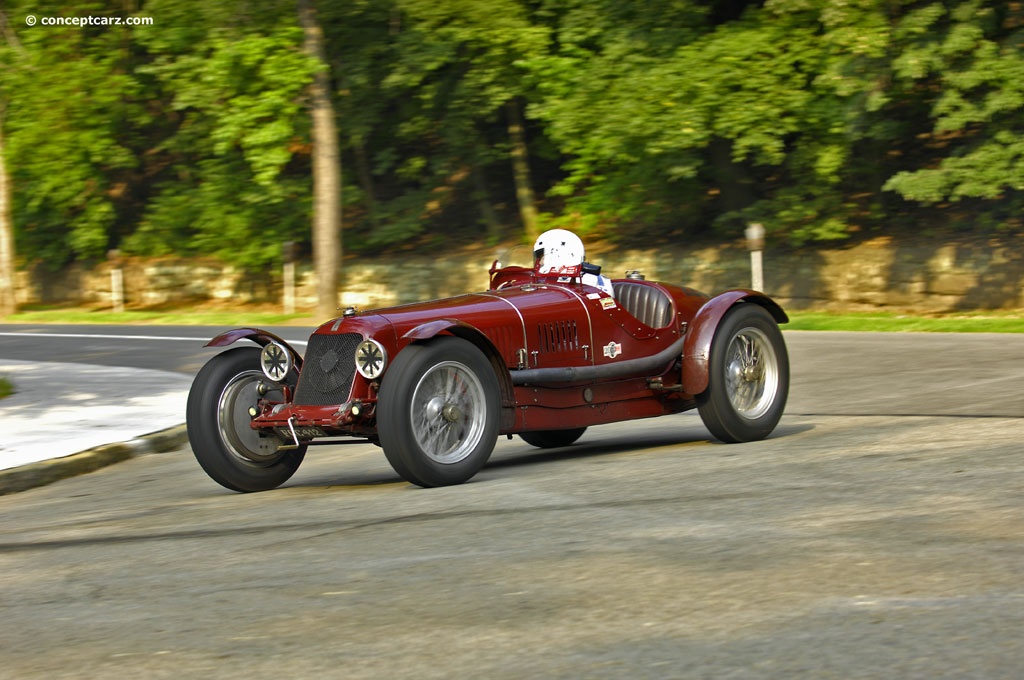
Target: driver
pixel 559 252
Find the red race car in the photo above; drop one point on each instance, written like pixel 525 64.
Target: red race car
pixel 546 352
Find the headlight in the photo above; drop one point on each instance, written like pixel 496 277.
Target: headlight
pixel 275 361
pixel 371 358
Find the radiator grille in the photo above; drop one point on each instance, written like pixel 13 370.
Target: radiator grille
pixel 327 370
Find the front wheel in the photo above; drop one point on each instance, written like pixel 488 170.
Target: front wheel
pixel 217 417
pixel 749 376
pixel 437 412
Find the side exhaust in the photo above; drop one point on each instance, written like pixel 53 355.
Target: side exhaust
pixel 630 368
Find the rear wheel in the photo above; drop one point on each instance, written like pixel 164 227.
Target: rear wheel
pixel 552 439
pixel 438 412
pixel 217 415
pixel 749 376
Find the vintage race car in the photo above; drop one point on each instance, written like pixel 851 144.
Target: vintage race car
pixel 435 383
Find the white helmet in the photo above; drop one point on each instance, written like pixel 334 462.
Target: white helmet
pixel 558 251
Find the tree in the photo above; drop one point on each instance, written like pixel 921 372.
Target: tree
pixel 968 60
pixel 449 112
pixel 70 115
pixel 215 131
pixel 521 171
pixel 225 153
pixel 8 301
pixel 326 168
pixel 678 116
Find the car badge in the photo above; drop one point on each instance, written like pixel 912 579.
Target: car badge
pixel 608 303
pixel 612 350
pixel 328 360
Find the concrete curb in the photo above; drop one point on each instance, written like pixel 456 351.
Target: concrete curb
pixel 48 471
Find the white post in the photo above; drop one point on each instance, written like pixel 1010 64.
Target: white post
pixel 116 281
pixel 756 270
pixel 117 289
pixel 289 287
pixel 289 253
pixel 755 242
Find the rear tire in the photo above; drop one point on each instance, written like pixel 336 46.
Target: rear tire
pixel 552 439
pixel 748 380
pixel 217 416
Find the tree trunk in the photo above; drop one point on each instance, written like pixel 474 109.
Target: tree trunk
pixel 521 172
pixel 366 182
pixel 730 176
pixel 483 201
pixel 8 301
pixel 326 169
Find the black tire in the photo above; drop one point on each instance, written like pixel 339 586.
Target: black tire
pixel 438 411
pixel 748 379
pixel 217 415
pixel 552 439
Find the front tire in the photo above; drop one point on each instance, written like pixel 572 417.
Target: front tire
pixel 438 412
pixel 748 380
pixel 217 416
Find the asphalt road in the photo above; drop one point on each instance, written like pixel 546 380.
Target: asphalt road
pixel 878 534
pixel 165 348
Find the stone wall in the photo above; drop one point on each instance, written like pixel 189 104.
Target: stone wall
pixel 881 273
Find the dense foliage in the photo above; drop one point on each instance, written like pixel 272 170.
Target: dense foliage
pixel 652 121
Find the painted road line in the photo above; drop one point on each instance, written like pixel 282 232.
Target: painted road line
pixel 101 336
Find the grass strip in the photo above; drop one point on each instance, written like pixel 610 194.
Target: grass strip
pixel 875 322
pixel 893 322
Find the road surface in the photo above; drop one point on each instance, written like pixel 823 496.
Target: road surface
pixel 879 533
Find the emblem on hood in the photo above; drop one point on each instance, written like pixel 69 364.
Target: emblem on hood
pixel 612 350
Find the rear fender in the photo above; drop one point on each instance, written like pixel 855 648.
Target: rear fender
pixel 701 332
pixel 260 337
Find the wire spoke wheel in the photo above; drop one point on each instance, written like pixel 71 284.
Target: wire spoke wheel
pixel 752 373
pixel 438 412
pixel 748 376
pixel 448 413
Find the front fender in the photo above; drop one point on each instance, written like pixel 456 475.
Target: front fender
pixel 259 336
pixel 427 330
pixel 461 329
pixel 701 332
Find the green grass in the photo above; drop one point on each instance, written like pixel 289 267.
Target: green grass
pixel 977 322
pixel 6 388
pixel 172 317
pixel 973 322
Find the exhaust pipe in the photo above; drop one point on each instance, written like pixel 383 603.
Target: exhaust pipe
pixel 630 368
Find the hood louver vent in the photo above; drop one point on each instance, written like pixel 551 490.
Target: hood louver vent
pixel 558 336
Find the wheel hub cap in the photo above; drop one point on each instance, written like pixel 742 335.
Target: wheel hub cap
pixel 237 397
pixel 447 412
pixel 752 375
pixel 451 413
